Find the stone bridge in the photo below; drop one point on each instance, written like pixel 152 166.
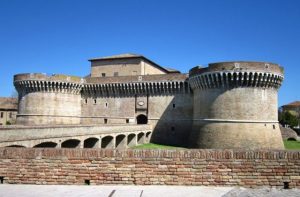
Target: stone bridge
pixel 91 136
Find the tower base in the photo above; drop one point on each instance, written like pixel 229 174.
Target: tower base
pixel 232 135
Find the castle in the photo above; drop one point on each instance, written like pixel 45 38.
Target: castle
pixel 224 105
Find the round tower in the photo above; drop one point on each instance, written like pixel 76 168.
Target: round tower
pixel 235 105
pixel 46 99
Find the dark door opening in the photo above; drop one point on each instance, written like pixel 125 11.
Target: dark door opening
pixel 141 119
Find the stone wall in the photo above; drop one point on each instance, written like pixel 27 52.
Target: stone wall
pixel 144 167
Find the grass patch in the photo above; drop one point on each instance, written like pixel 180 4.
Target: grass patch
pixel 155 146
pixel 291 145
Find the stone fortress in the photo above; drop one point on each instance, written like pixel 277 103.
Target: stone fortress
pixel 225 105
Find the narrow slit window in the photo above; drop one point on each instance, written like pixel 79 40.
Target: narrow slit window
pixel 105 120
pixel 173 105
pixel 95 101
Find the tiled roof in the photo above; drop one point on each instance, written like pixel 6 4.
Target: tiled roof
pixel 293 104
pixel 8 103
pixel 119 56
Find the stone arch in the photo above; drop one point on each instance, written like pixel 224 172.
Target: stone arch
pixel 90 142
pixel 141 138
pixel 16 146
pixel 148 136
pixel 141 119
pixel 46 145
pixel 121 142
pixel 107 142
pixel 71 143
pixel 131 140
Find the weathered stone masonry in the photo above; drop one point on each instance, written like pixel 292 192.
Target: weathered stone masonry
pixel 143 167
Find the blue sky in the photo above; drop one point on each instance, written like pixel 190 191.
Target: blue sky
pixel 58 36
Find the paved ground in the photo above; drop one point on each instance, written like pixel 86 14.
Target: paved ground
pixel 7 190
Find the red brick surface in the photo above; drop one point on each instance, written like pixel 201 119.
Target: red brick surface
pixel 144 167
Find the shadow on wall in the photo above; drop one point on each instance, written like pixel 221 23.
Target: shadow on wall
pixel 175 124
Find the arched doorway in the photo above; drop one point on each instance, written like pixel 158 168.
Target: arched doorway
pixel 72 143
pixel 46 145
pixel 141 119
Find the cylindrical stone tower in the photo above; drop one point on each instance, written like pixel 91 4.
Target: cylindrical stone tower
pixel 46 99
pixel 235 105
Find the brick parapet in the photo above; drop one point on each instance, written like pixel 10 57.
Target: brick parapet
pixel 144 167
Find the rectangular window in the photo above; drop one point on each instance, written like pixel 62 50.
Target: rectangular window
pixel 173 105
pixel 1 114
pixel 116 74
pixel 103 74
pixel 127 121
pixel 85 101
pixel 105 120
pixel 95 101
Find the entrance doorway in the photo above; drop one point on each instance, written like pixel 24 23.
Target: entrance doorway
pixel 141 119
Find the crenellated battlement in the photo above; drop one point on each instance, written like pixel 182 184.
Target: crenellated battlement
pixel 38 82
pixel 235 79
pixel 141 88
pixel 236 74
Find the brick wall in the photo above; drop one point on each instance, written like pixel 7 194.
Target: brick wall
pixel 143 167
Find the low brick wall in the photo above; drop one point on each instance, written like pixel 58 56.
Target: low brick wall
pixel 143 167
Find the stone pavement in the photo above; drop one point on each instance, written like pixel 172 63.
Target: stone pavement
pixel 7 190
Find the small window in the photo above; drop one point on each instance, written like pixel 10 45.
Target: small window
pixel 274 126
pixel 105 120
pixel 127 121
pixel 116 74
pixel 173 105
pixel 85 101
pixel 106 105
pixel 95 101
pixel 103 74
pixel 1 114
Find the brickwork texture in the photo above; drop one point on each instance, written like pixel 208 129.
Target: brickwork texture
pixel 155 167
